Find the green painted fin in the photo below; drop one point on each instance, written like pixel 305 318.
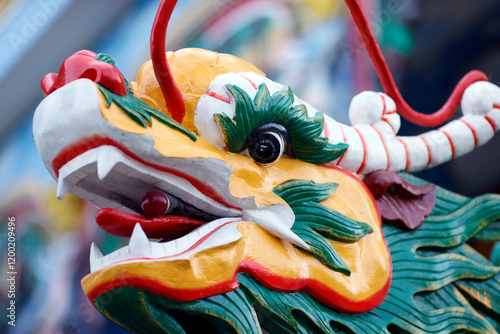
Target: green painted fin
pixel 316 223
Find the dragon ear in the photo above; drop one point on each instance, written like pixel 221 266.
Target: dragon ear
pixel 172 94
pixel 390 88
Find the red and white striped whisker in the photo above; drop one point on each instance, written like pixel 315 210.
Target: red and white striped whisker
pixel 374 144
pixel 372 138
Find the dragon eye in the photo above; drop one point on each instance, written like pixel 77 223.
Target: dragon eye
pixel 267 144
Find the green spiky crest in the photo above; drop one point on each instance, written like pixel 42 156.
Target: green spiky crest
pixel 316 223
pixel 139 111
pixel 304 131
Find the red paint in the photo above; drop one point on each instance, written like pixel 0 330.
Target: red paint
pixel 320 291
pixel 88 143
pixel 316 289
pixel 392 127
pixel 171 92
pixel 429 152
pixel 405 145
pixel 269 279
pixel 83 65
pixel 326 129
pixel 122 224
pixel 452 146
pixel 496 106
pixel 476 139
pixel 219 97
pixel 384 105
pixel 365 152
pixel 492 123
pixel 390 87
pixel 251 82
pixel 342 304
pixel 385 146
pixel 345 141
pixel 158 288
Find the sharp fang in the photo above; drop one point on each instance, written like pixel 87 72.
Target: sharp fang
pixel 95 254
pixel 139 243
pixel 62 188
pixel 104 163
pixel 270 222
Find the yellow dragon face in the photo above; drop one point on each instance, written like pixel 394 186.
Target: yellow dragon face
pixel 197 213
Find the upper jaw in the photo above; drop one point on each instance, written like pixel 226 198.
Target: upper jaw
pixel 109 178
pixel 72 115
pixel 117 175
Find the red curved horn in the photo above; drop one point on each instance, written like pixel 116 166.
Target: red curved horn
pixel 385 76
pixel 171 93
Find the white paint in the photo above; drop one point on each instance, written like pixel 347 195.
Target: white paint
pixel 140 249
pixel 479 98
pixel 277 220
pixel 366 108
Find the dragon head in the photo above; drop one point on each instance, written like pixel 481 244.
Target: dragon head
pixel 239 197
pixel 238 187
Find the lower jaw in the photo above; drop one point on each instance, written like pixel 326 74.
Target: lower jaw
pixel 214 270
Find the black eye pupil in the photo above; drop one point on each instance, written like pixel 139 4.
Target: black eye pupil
pixel 267 148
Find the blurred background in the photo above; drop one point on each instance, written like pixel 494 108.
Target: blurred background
pixel 310 45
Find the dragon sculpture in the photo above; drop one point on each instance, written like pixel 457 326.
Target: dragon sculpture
pixel 247 209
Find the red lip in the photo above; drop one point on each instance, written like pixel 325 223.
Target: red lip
pixel 122 224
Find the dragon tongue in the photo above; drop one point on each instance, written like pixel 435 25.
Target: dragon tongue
pixel 122 224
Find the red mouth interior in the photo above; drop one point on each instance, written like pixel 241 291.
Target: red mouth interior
pixel 168 227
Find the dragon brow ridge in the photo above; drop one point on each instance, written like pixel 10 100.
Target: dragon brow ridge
pixel 307 144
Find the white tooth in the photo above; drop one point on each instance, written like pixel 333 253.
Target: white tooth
pixel 105 163
pixel 270 221
pixel 139 243
pixel 62 188
pixel 95 254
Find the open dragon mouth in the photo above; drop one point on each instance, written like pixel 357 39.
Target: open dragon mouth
pixel 116 183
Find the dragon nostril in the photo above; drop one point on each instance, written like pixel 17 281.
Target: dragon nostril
pixel 155 203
